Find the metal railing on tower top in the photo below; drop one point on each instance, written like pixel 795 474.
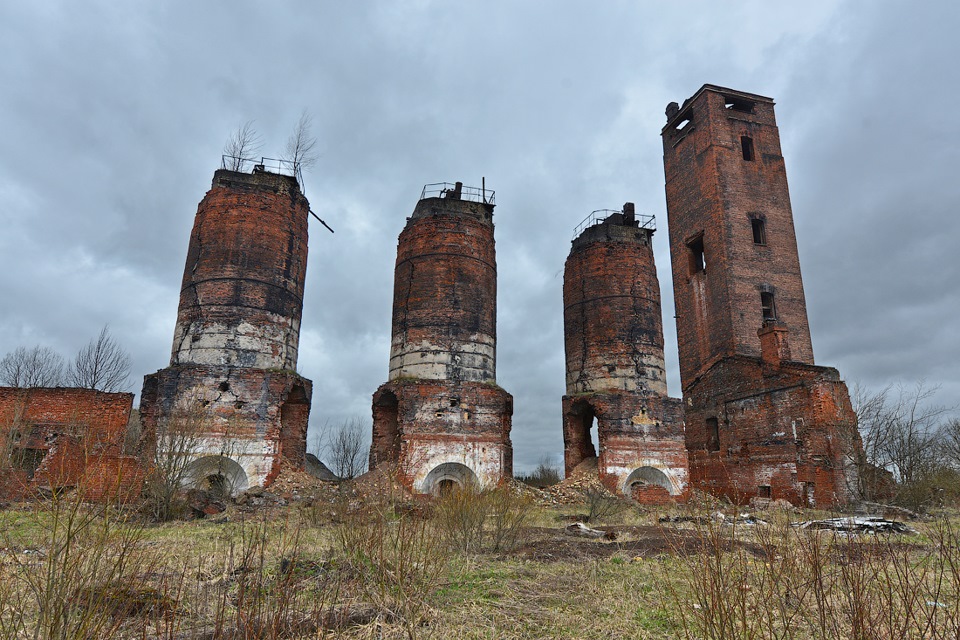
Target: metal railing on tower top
pixel 456 191
pixel 266 165
pixel 600 215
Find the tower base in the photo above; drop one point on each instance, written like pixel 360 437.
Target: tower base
pixel 236 425
pixel 642 453
pixel 440 434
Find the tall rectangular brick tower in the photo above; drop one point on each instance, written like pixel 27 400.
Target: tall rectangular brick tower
pixel 762 419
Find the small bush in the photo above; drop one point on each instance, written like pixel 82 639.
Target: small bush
pixel 475 521
pixel 601 505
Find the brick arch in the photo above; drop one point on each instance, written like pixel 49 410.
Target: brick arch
pixel 577 444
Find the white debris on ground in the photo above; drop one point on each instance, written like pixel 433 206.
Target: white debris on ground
pixel 856 524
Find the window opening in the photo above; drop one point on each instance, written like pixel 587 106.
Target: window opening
pixel 713 434
pixel 759 231
pixel 764 491
pixel 746 145
pixel 698 261
pixel 737 104
pixel 768 306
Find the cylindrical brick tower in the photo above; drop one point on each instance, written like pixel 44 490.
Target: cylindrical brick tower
pixel 441 419
pixel 611 309
pixel 613 336
pixel 232 376
pixel 242 293
pixel 445 294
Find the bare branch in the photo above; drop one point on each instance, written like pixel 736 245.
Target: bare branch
pixel 347 448
pixel 301 146
pixel 243 145
pixel 102 364
pixel 36 367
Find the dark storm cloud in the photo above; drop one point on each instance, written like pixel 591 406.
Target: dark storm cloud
pixel 115 116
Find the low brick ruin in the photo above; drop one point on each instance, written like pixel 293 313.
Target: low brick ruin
pixel 441 419
pixel 234 353
pixel 613 338
pixel 58 438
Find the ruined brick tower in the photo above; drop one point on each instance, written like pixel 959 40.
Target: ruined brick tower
pixel 441 420
pixel 613 336
pixel 232 378
pixel 761 418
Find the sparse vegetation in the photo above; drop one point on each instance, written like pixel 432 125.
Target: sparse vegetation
pixel 469 564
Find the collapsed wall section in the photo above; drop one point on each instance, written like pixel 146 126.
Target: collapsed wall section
pixel 56 438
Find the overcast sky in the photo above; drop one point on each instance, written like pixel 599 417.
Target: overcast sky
pixel 114 115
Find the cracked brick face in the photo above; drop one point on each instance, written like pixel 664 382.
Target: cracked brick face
pixel 242 294
pixel 761 418
pixel 615 370
pixel 441 416
pixel 237 334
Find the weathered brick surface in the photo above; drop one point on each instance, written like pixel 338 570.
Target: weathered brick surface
pixel 441 408
pixel 713 193
pixel 791 429
pixel 615 370
pixel 252 416
pixel 78 433
pixel 761 418
pixel 242 294
pixel 237 334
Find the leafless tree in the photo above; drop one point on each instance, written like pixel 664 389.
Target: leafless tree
pixel 900 429
pixel 244 144
pixel 347 449
pixel 179 436
pixel 35 367
pixel 302 144
pixel 103 365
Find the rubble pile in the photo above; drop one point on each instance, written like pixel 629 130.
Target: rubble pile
pixel 584 478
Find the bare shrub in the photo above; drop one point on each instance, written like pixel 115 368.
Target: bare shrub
pixel 545 475
pixel 776 581
pixel 34 367
pixel 346 449
pixel 472 521
pixel 906 433
pixel 103 365
pixel 398 562
pixel 242 146
pixel 601 505
pixel 301 145
pixel 66 586
pixel 178 437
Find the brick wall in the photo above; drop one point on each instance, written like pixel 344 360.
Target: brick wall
pixel 242 294
pixel 761 418
pixel 235 345
pixel 76 435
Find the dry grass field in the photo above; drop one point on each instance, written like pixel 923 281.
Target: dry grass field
pixel 498 564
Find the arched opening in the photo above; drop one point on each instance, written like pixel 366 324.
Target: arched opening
pixel 647 476
pixel 294 417
pixel 581 440
pixel 217 474
pixel 385 447
pixel 448 477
